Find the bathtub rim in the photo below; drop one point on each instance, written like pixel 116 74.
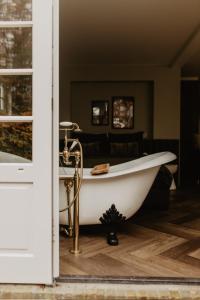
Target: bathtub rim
pixel 132 166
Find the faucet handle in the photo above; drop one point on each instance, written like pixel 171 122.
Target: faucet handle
pixel 66 124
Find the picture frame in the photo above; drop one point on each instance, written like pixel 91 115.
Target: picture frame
pixel 100 112
pixel 123 112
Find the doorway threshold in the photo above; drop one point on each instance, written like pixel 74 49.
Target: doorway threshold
pixel 91 291
pixel 129 280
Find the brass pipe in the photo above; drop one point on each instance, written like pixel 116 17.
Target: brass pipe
pixel 75 250
pixel 68 185
pixel 79 160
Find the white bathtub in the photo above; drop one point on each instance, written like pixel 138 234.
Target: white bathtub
pixel 126 185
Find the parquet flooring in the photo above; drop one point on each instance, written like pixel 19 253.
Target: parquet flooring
pixel 151 243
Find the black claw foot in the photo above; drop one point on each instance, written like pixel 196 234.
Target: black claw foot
pixel 112 239
pixel 112 218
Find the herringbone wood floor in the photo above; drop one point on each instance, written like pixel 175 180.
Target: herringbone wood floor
pixel 158 243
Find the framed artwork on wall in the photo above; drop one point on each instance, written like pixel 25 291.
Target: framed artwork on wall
pixel 100 112
pixel 123 112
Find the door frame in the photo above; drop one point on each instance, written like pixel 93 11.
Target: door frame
pixel 55 138
pixel 84 278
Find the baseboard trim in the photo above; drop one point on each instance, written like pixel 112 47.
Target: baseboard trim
pixel 128 280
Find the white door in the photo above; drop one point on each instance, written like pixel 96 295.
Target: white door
pixel 26 141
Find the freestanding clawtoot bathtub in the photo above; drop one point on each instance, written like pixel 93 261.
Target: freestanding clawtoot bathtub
pixel 126 185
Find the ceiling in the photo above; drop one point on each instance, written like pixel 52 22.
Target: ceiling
pixel 134 32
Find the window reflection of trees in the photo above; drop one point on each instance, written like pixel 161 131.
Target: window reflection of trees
pixel 16 95
pixel 16 138
pixel 15 10
pixel 16 91
pixel 15 48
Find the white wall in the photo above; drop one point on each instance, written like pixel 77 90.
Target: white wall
pixel 166 108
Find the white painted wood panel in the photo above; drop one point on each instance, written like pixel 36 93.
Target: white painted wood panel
pixel 26 188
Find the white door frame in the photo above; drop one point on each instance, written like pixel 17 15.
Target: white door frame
pixel 55 138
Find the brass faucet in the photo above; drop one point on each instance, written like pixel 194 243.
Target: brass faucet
pixel 73 181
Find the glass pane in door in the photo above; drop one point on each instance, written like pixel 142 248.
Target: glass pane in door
pixel 15 142
pixel 16 95
pixel 15 48
pixel 15 10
